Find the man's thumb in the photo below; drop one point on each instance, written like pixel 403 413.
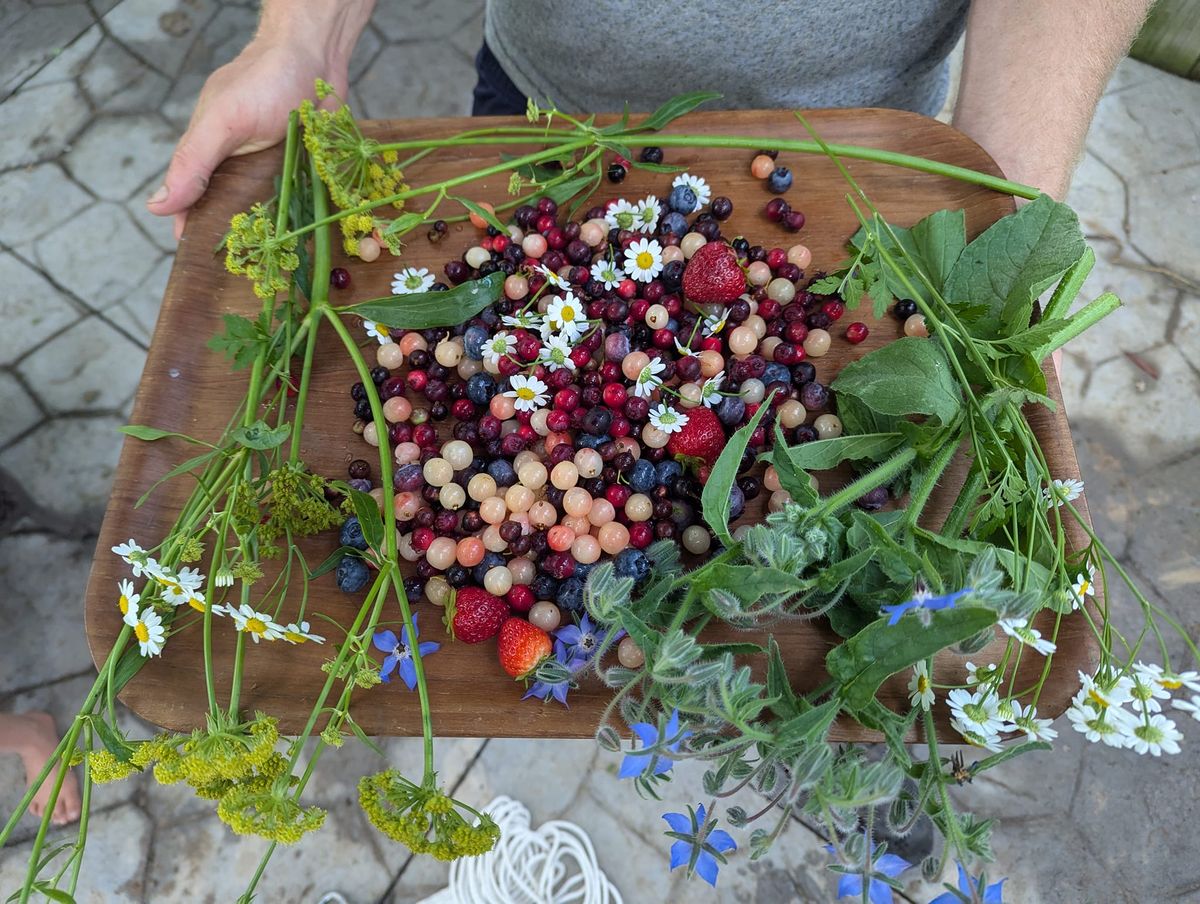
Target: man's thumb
pixel 199 152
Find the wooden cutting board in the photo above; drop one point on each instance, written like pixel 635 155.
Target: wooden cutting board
pixel 187 388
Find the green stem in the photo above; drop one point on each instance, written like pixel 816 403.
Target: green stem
pixel 876 477
pixel 235 690
pixel 484 137
pixel 965 503
pixel 35 855
pixel 419 669
pixel 937 467
pixel 310 348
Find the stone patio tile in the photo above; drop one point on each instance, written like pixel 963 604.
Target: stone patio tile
pixel 370 43
pixel 138 311
pixel 20 410
pixel 110 265
pixel 36 201
pixel 1148 127
pixel 1142 320
pixel 68 62
pixel 31 307
pixel 1187 329
pixel 159 31
pixel 117 155
pixel 1098 196
pixel 221 40
pixel 425 19
pixel 417 80
pixel 29 41
pixel 88 367
pixel 117 82
pixel 161 230
pixel 1170 511
pixel 49 117
pixel 1161 238
pixel 67 466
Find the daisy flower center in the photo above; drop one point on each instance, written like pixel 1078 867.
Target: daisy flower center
pixel 645 260
pixel 142 632
pixel 123 602
pixel 1170 684
pixel 256 625
pixel 922 684
pixel 1094 696
pixel 976 712
pixel 525 393
pixel 196 604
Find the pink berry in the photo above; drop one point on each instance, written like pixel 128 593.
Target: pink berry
pixel 856 332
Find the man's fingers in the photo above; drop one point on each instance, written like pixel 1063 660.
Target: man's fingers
pixel 180 222
pixel 199 152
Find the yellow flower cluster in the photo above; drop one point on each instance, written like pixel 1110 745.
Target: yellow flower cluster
pixel 359 225
pixel 192 550
pixel 247 571
pixel 351 165
pixel 253 249
pixel 263 809
pixel 297 504
pixel 104 766
pixel 423 818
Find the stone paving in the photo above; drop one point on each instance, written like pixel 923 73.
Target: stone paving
pixel 93 96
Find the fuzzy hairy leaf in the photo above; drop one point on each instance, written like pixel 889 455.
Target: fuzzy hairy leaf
pixel 907 376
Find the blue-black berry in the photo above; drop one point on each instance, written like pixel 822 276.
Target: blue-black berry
pixel 780 180
pixel 352 574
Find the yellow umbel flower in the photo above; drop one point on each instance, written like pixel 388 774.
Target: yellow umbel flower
pixel 351 165
pixel 253 249
pixel 424 818
pixel 105 767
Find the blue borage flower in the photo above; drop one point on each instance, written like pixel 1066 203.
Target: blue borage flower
pixel 544 689
pixel 639 762
pixel 575 645
pixel 971 890
pixel 924 600
pixel 699 844
pixel 399 653
pixel 879 890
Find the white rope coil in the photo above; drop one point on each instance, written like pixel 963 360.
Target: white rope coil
pixel 554 864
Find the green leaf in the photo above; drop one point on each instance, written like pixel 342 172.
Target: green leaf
pixel 54 894
pixel 908 376
pixel 480 212
pixel 261 436
pixel 150 434
pixel 858 418
pixel 404 223
pixel 939 240
pixel 426 310
pixel 797 482
pixel 779 685
pixel 113 742
pixel 362 736
pixel 866 660
pixel 715 497
pixel 657 167
pixel 562 192
pixel 1068 287
pixel 674 108
pixel 1012 262
pixel 747 582
pixel 714 650
pixel 823 454
pixel 330 563
pixel 181 468
pixel 811 726
pixel 1007 754
pixel 241 340
pixel 369 519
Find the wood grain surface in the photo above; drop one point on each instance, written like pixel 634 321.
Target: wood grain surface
pixel 187 388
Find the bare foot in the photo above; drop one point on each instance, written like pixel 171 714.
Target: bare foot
pixel 34 737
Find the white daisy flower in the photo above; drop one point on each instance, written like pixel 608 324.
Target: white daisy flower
pixel 552 278
pixel 920 688
pixel 698 186
pixel 526 320
pixel 1103 694
pixel 258 625
pixel 978 711
pixel 684 351
pixel 565 316
pixel 378 331
pixel 1156 735
pixel 129 598
pixel 621 215
pixel 196 601
pixel 1099 723
pixel 223 578
pixel 499 346
pixel 1019 629
pixel 179 589
pixel 715 321
pixel 1192 707
pixel 1171 681
pixel 643 260
pixel 556 354
pixel 1024 718
pixel 648 380
pixel 606 272
pixel 1082 588
pixel 300 633
pixel 148 629
pixel 1061 491
pixel 130 551
pixel 975 737
pixel 411 280
pixel 667 419
pixel 647 213
pixel 1146 692
pixel 982 674
pixel 529 392
pixel 710 391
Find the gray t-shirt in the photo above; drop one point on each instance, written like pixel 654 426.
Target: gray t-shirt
pixel 598 54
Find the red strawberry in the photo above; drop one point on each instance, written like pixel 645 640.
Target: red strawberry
pixel 522 646
pixel 702 437
pixel 713 276
pixel 474 615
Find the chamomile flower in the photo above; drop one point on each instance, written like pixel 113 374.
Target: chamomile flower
pixel 129 598
pixel 647 379
pixel 710 391
pixel 684 351
pixel 178 589
pixel 556 354
pixel 258 625
pixel 920 688
pixel 1082 588
pixel 378 331
pixel 1061 491
pixel 982 674
pixel 977 711
pixel 667 419
pixel 525 320
pixel 643 260
pixel 411 280
pixel 1105 724
pixel 131 552
pixel 621 215
pixel 529 393
pixel 499 346
pixel 1024 719
pixel 148 629
pixel 1146 692
pixel 1103 693
pixel 1018 628
pixel 1191 707
pixel 552 278
pixel 223 578
pixel 715 321
pixel 1155 735
pixel 196 601
pixel 608 273
pixel 975 737
pixel 565 316
pixel 1171 681
pixel 698 186
pixel 301 633
pixel 645 217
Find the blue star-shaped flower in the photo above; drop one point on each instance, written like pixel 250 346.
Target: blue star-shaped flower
pixel 578 642
pixel 973 889
pixel 399 653
pixel 638 762
pixel 878 891
pixel 922 599
pixel 545 690
pixel 699 845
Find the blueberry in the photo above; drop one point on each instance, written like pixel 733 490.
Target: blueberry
pixel 814 396
pixel 737 502
pixel 570 594
pixel 352 574
pixel 352 534
pixel 775 372
pixel 682 199
pixel 674 223
pixel 362 484
pixel 616 172
pixel 590 441
pixel 544 587
pixel 480 388
pixel 597 421
pixel 502 472
pixel 408 478
pixel 672 276
pixel 583 570
pixel 632 563
pixel 457 575
pixel 904 309
pixel 643 477
pixel 490 561
pixel 651 154
pixel 804 372
pixel 730 410
pixel 667 471
pixel 473 340
pixel 780 180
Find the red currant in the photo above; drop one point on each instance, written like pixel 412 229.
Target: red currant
pixel 834 309
pixel 856 332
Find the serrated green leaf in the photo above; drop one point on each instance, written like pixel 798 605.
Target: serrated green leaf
pixel 908 376
pixel 240 341
pixel 261 435
pixel 426 310
pixel 939 240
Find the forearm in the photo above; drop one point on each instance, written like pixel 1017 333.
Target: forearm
pixel 332 26
pixel 1032 75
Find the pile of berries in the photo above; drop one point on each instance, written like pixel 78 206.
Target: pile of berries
pixel 585 409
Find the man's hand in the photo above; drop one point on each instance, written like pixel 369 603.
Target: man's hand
pixel 244 105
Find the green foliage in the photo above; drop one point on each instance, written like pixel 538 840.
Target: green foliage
pixel 908 376
pixel 426 310
pixel 715 498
